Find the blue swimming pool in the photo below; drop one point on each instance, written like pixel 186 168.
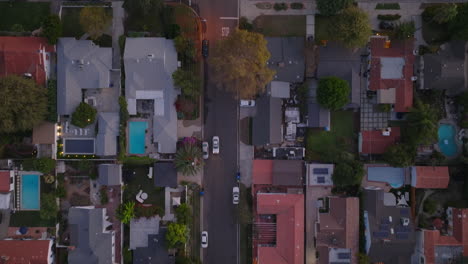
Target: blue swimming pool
pixel 393 176
pixel 447 143
pixel 136 136
pixel 30 192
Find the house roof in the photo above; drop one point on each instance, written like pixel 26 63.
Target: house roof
pixel 149 64
pixel 165 174
pixel 5 181
pixel 460 227
pixel 289 211
pixel 110 174
pixel 156 252
pixel 267 122
pixel 287 58
pixel 44 133
pixel 262 171
pixel 317 116
pixel 20 55
pixel 288 172
pixel 93 244
pixel 430 177
pixel 392 67
pixel 339 227
pixel 319 174
pixel 81 64
pixel 106 141
pixel 38 251
pixel 279 89
pixel 374 142
pixel 140 229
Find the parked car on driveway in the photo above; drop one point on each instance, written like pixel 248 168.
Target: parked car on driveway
pixel 247 103
pixel 205 149
pixel 205 46
pixel 215 145
pixel 204 239
pixel 235 195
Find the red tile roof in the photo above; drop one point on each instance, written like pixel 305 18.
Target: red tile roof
pixel 374 142
pixel 19 55
pixel 431 177
pixel 262 172
pixel 4 181
pixel 404 87
pixel 460 227
pixel 38 251
pixel 289 211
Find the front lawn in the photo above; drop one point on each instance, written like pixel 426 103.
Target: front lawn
pixel 71 22
pixel 27 14
pixel 140 181
pixel 30 219
pixel 322 27
pixel 324 145
pixel 280 26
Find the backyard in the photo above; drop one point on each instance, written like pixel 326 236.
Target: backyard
pixel 324 145
pixel 27 14
pixel 280 25
pixel 140 181
pixel 72 26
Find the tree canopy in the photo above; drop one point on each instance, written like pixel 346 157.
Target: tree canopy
pixel 23 104
pixel 458 26
pixel 94 20
pixel 348 173
pixel 331 7
pixel 239 64
pixel 445 13
pixel 188 159
pixel 333 92
pixel 400 155
pixel 176 235
pixel 188 82
pixel 84 115
pixel 126 212
pixel 404 30
pixel 183 214
pixel 351 27
pixel 421 124
pixel 52 28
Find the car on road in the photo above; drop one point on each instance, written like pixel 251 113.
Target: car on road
pixel 215 145
pixel 205 149
pixel 235 195
pixel 247 103
pixel 205 46
pixel 204 239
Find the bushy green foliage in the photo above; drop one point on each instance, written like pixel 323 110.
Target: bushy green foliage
pixel 84 115
pixel 49 206
pixel 296 5
pixel 126 212
pixel 330 8
pixel 384 107
pixel 348 173
pixel 183 214
pixel 104 196
pixel 400 155
pixel 44 165
pixel 137 160
pixel 188 159
pixel 458 26
pixel 148 211
pixel 17 28
pixel 430 206
pixel 185 49
pixel 176 235
pixel 388 6
pixel 244 24
pixel 189 83
pixel 280 6
pixel 52 28
pixel 404 30
pixel 333 92
pixel 422 124
pixel 389 17
pixel 61 192
pixel 52 100
pixel 351 28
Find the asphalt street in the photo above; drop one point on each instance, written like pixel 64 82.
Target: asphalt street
pixel 221 113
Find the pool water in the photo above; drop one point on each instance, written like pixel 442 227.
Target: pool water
pixel 447 143
pixel 137 137
pixel 393 176
pixel 30 192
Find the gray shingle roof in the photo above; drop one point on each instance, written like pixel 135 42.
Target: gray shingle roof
pixel 156 252
pixel 287 58
pixel 317 116
pixel 267 122
pixel 106 142
pixel 110 174
pixel 80 65
pixel 149 64
pixel 87 229
pixel 140 229
pixel 165 174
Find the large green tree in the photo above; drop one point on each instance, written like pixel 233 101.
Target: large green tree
pixel 176 235
pixel 183 214
pixel 52 28
pixel 126 212
pixel 404 30
pixel 188 82
pixel 458 27
pixel 333 92
pixel 421 124
pixel 23 104
pixel 331 7
pixel 400 155
pixel 445 13
pixel 348 173
pixel 95 21
pixel 188 159
pixel 351 27
pixel 239 64
pixel 84 115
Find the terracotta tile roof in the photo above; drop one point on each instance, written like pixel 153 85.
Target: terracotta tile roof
pixel 430 177
pixel 262 172
pixel 460 227
pixel 289 211
pixel 4 181
pixel 44 133
pixel 19 55
pixel 38 251
pixel 404 87
pixel 373 142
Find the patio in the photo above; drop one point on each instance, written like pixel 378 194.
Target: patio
pixel 136 179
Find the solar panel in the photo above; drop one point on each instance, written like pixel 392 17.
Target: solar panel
pixel 321 179
pixel 404 211
pixel 381 234
pixel 320 170
pixel 402 236
pixel 344 255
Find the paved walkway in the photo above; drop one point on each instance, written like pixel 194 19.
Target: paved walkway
pixel 250 11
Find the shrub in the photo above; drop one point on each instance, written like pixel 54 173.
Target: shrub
pixel 332 7
pixel 389 17
pixel 49 178
pixel 244 24
pixel 148 211
pixel 52 28
pixel 384 107
pixel 404 30
pixel 103 195
pixel 388 6
pixel 84 115
pixel 61 192
pixel 52 100
pixel 136 160
pixel 44 165
pixel 17 28
pixel 264 5
pixel 430 206
pixel 280 6
pixel 297 5
pixel 333 92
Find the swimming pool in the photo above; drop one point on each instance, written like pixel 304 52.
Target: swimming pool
pixel 136 136
pixel 447 143
pixel 30 192
pixel 393 176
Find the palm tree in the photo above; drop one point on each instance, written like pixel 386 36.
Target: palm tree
pixel 188 159
pixel 126 212
pixel 422 122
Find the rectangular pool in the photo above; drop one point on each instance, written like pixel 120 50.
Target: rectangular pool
pixel 136 137
pixel 30 187
pixel 82 146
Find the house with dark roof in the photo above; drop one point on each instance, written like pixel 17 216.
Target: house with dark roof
pixel 149 64
pixel 278 172
pixel 319 174
pixel 267 124
pixel 26 56
pixel 45 138
pixel 317 116
pixel 433 247
pixel 430 177
pixel 110 174
pixel 389 229
pixel 156 252
pixel 165 174
pixel 337 234
pixel 446 69
pixel 287 58
pixel 377 141
pixel 27 251
pixel 91 236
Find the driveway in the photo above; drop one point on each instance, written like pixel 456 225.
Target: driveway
pixel 118 14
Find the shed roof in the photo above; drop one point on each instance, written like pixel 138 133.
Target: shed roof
pixel 44 133
pixel 267 122
pixel 430 177
pixel 288 172
pixel 156 252
pixel 5 181
pixel 262 171
pixel 165 174
pixel 110 174
pixel 317 116
pixel 25 251
pixel 140 229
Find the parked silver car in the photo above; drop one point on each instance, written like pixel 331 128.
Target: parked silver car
pixel 205 149
pixel 235 195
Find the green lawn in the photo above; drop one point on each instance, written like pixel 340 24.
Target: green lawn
pixel 324 145
pixel 27 14
pixel 280 26
pixel 71 22
pixel 141 182
pixel 322 26
pixel 30 219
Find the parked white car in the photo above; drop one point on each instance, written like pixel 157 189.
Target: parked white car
pixel 204 239
pixel 235 195
pixel 205 149
pixel 247 103
pixel 215 145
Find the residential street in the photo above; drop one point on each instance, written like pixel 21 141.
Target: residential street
pixel 219 214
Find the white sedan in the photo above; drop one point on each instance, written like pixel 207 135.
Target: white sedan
pixel 215 145
pixel 235 195
pixel 247 103
pixel 204 239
